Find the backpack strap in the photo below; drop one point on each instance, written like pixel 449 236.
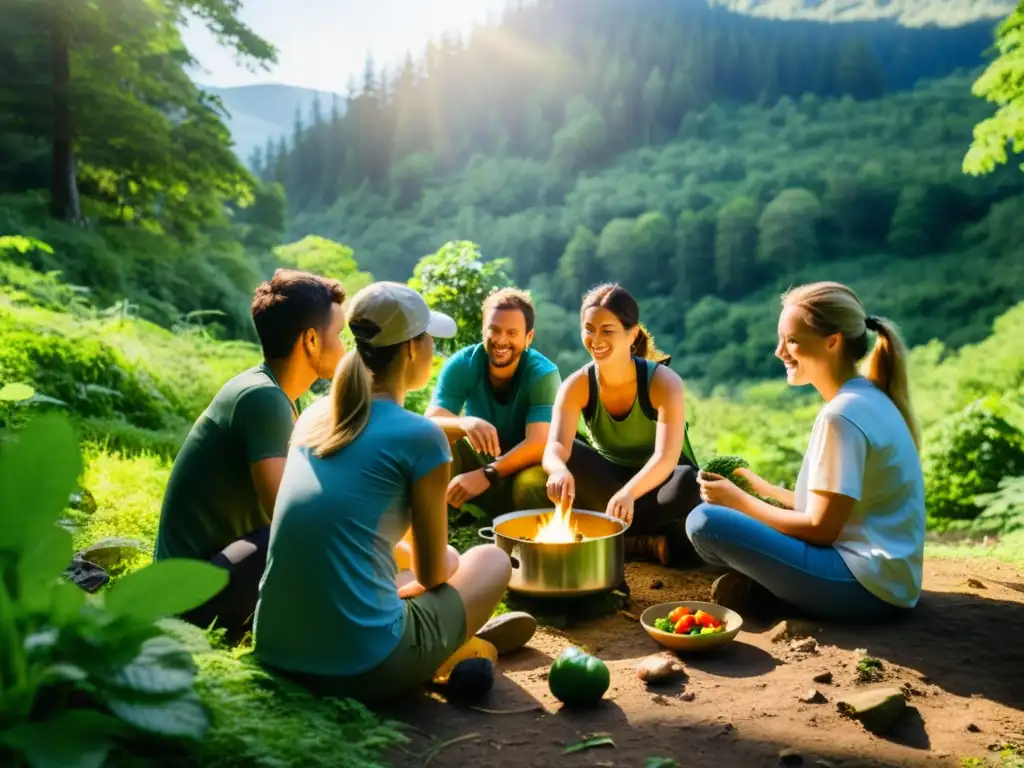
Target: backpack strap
pixel 643 393
pixel 591 406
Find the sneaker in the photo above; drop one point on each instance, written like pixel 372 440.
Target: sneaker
pixel 648 547
pixel 508 631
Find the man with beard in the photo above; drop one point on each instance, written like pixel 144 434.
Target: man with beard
pixel 223 486
pixel 494 400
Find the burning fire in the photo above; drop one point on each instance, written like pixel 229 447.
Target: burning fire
pixel 558 528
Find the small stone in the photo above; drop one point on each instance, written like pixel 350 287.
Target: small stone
pixel 790 629
pixel 975 584
pixel 790 757
pixel 973 728
pixel 83 501
pixel 657 584
pixel 877 708
pixel 805 645
pixel 823 677
pixel 111 552
pixel 813 696
pixel 688 696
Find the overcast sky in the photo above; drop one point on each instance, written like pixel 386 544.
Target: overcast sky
pixel 321 43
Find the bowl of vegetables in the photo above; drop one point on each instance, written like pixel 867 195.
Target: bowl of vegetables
pixel 691 625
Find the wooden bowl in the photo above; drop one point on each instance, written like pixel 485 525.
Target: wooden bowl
pixel 732 620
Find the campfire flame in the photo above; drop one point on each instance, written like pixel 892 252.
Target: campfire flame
pixel 558 528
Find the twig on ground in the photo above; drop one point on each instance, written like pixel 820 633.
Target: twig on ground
pixel 434 750
pixel 519 711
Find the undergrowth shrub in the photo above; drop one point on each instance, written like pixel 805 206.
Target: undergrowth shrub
pixel 965 456
pixel 87 375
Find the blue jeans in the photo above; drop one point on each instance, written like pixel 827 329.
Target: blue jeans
pixel 813 579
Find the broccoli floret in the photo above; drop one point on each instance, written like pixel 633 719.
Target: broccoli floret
pixel 727 465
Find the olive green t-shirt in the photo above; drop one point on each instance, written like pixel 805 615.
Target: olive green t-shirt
pixel 210 499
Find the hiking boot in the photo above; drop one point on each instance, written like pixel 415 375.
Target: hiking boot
pixel 742 594
pixel 732 590
pixel 648 547
pixel 508 631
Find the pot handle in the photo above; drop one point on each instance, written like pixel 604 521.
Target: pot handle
pixel 486 533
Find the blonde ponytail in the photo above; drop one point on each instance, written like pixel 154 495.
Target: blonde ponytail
pixel 832 307
pixel 349 408
pixel 886 367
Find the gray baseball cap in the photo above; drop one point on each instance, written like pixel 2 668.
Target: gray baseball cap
pixel 400 312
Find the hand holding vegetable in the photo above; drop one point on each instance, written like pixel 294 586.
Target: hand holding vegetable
pixel 715 489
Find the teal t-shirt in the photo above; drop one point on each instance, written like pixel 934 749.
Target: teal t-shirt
pixel 464 388
pixel 328 602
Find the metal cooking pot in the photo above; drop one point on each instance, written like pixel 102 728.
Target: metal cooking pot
pixel 561 570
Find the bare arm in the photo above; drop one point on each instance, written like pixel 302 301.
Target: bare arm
pixel 430 527
pixel 572 397
pixel 820 524
pixel 764 488
pixel 527 453
pixel 266 478
pixel 449 423
pixel 668 397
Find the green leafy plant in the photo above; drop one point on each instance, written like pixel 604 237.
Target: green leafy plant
pixel 1002 511
pixel 726 466
pixel 968 455
pixel 456 280
pixel 97 669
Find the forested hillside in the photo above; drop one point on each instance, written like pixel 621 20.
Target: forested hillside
pixel 116 160
pixel 706 159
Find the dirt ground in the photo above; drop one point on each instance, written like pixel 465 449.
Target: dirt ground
pixel 960 658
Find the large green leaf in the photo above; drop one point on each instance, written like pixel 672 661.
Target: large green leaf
pixel 66 602
pixel 40 565
pixel 162 667
pixel 76 738
pixel 183 717
pixel 38 472
pixel 165 588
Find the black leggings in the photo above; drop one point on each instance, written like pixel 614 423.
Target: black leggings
pixel 660 511
pixel 233 607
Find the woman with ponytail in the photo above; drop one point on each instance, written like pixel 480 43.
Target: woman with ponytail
pixel 362 596
pixel 849 542
pixel 636 464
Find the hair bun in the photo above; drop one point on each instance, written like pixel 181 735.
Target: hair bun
pixel 872 323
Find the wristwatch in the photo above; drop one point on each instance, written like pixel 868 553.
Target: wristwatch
pixel 491 473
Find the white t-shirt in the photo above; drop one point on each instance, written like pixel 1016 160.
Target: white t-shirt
pixel 861 447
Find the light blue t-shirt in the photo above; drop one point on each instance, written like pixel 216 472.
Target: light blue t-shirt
pixel 464 383
pixel 328 601
pixel 861 447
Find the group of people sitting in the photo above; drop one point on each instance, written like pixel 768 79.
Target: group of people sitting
pixel 333 524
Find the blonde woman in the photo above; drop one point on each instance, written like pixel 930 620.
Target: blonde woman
pixel 850 543
pixel 362 596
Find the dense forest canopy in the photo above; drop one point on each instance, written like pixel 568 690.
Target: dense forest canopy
pixel 704 158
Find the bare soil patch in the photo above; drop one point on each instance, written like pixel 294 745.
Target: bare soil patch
pixel 959 658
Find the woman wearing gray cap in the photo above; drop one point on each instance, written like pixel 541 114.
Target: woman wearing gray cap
pixel 362 596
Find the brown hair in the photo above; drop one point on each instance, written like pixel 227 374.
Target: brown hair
pixel 620 302
pixel 834 308
pixel 290 303
pixel 512 298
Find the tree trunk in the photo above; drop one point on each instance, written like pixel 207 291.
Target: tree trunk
pixel 64 203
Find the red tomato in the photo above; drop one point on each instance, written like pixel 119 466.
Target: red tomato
pixel 685 624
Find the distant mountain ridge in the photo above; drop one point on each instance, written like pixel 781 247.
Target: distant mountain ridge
pixel 910 13
pixel 261 112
